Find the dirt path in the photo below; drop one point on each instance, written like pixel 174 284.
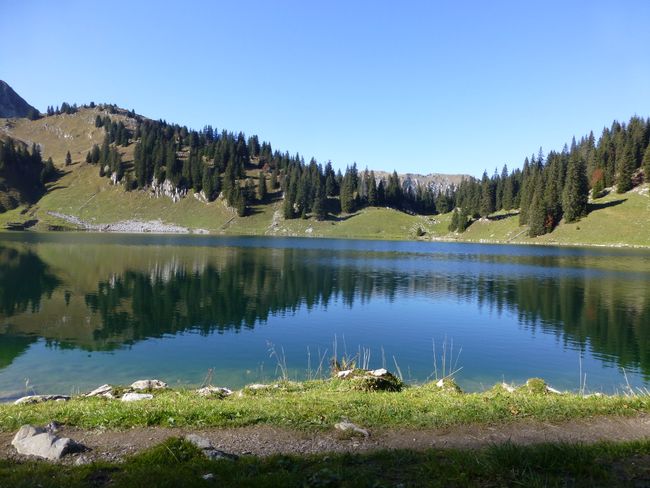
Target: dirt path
pixel 266 440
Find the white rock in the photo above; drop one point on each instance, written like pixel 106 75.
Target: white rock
pixel 507 387
pixel 100 391
pixel 36 441
pixel 553 390
pixel 440 383
pixel 198 441
pixel 148 385
pixel 260 386
pixel 344 373
pixel 135 397
pixel 208 449
pixel 214 390
pixel 345 425
pixel 41 398
pixel 379 372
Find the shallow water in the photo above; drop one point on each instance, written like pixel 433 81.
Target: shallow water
pixel 79 310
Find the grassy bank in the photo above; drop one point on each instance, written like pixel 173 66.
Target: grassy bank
pixel 177 463
pixel 614 220
pixel 318 405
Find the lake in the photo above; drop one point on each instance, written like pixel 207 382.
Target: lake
pixel 79 310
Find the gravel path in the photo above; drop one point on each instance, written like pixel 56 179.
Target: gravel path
pixel 267 440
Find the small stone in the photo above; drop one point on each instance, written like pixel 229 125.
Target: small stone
pixel 507 387
pixel 216 454
pixel 135 397
pixel 148 385
pixel 81 460
pixel 553 390
pixel 344 373
pixel 379 372
pixel 440 383
pixel 345 426
pixel 208 476
pixel 208 449
pixel 41 398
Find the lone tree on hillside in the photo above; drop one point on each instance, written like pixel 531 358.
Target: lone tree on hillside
pixel 68 159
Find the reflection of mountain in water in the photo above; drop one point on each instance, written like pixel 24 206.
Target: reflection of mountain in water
pixel 227 289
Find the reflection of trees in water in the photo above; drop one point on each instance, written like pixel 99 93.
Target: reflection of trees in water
pixel 600 312
pixel 250 285
pixel 243 291
pixel 12 347
pixel 24 280
pixel 608 312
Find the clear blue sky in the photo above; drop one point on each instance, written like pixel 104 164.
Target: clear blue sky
pixel 417 86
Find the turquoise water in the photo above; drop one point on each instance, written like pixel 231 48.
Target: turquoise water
pixel 80 310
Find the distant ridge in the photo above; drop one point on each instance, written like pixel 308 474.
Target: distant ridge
pixel 13 105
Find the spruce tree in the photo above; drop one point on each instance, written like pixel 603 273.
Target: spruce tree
pixel 576 190
pixel 68 159
pixel 261 187
pixel 372 190
pixel 625 165
pixel 537 214
pixel 455 217
pixel 646 164
pixel 487 196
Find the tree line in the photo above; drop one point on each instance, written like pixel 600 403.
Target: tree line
pixel 547 189
pixel 554 187
pixel 22 170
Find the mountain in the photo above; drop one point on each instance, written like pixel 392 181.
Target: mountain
pixel 13 105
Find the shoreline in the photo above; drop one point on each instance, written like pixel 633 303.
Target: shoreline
pixel 157 227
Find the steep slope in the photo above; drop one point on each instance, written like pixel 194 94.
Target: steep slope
pixel 13 105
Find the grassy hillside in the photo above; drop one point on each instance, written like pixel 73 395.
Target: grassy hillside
pixel 613 219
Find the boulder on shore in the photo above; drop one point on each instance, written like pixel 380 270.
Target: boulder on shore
pixel 37 441
pixel 41 398
pixel 148 385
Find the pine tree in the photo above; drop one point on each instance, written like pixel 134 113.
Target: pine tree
pixel 68 159
pixel 319 205
pixel 576 190
pixel 455 218
pixel 372 190
pixel 487 196
pixel 537 216
pixel 463 220
pixel 646 164
pixel 626 166
pixel 261 187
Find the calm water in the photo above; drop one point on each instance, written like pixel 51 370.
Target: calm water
pixel 80 310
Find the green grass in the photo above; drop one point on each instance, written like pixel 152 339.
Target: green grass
pixel 613 220
pixel 318 405
pixel 177 463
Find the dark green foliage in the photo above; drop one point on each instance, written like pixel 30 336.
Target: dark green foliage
pixel 487 196
pixel 537 216
pixel 576 190
pixel 455 221
pixel 646 164
pixel 625 162
pixel 261 187
pixel 68 159
pixel 22 174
